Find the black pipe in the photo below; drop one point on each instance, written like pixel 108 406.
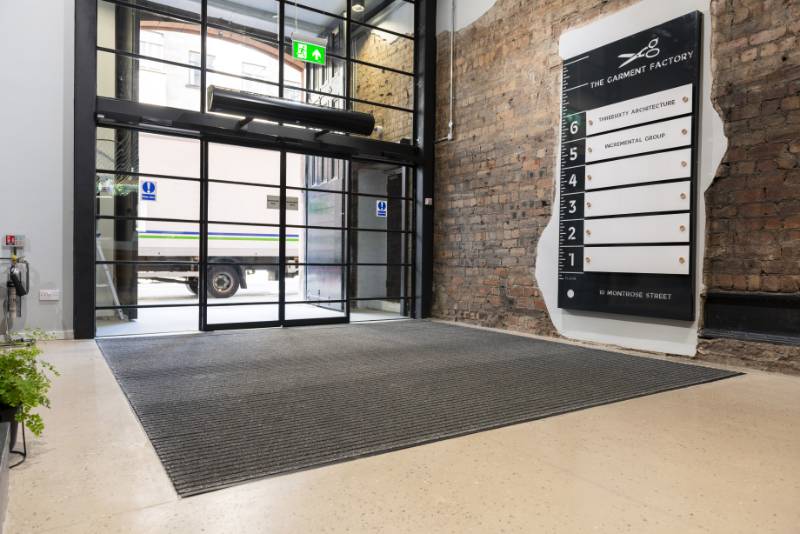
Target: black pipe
pixel 224 100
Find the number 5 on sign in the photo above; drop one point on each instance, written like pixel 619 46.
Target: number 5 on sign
pixel 573 153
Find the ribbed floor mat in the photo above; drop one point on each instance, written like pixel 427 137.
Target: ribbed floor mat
pixel 224 408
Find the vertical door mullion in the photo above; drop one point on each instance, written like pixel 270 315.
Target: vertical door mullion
pixel 282 242
pixel 413 289
pixel 346 238
pixel 202 268
pixel 404 241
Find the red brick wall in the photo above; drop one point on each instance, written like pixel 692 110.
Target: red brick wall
pixel 386 87
pixel 754 204
pixel 494 184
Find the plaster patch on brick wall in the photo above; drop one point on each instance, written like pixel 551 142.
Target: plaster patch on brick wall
pixel 674 337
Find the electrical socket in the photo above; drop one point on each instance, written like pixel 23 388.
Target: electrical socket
pixel 49 294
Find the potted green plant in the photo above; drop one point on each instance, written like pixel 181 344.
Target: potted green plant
pixel 24 382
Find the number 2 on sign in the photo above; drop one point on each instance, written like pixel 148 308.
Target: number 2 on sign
pixel 571 233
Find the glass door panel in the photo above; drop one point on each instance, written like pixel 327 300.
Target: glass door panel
pixel 316 268
pixel 244 236
pixel 276 238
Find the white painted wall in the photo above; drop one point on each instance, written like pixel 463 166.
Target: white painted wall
pixel 467 12
pixel 675 337
pixel 36 110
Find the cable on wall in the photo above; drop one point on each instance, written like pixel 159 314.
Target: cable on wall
pixel 451 125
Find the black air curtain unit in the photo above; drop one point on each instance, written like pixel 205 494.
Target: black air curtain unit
pixel 253 105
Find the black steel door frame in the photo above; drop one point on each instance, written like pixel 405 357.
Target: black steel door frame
pixel 282 263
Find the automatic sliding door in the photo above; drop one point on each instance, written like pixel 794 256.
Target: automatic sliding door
pixel 316 260
pixel 276 239
pixel 244 236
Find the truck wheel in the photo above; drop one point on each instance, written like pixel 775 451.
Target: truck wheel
pixel 223 282
pixel 191 285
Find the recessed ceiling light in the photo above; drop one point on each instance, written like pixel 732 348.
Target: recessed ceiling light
pixel 358 6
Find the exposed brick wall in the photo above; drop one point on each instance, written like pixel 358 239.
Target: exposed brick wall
pixel 384 86
pixel 494 184
pixel 754 204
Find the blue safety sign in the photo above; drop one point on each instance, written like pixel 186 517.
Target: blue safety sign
pixel 148 190
pixel 381 208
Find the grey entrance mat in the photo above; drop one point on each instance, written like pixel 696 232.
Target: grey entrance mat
pixel 224 408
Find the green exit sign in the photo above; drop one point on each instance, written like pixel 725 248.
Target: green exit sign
pixel 308 52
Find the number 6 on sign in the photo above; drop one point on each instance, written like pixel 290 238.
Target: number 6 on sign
pixel 573 127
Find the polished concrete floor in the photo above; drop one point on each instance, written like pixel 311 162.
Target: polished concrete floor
pixel 721 457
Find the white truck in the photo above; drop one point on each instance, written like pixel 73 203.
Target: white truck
pixel 234 250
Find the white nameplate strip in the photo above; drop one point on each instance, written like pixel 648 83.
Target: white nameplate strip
pixel 673 196
pixel 651 168
pixel 659 136
pixel 628 230
pixel 648 260
pixel 652 107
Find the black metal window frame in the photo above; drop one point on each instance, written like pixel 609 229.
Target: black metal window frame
pixel 280 42
pixel 92 111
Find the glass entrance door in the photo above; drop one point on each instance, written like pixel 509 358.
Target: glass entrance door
pixel 315 278
pixel 280 238
pixel 274 236
pixel 243 237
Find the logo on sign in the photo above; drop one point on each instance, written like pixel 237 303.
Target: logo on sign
pixel 381 208
pixel 649 51
pixel 148 190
